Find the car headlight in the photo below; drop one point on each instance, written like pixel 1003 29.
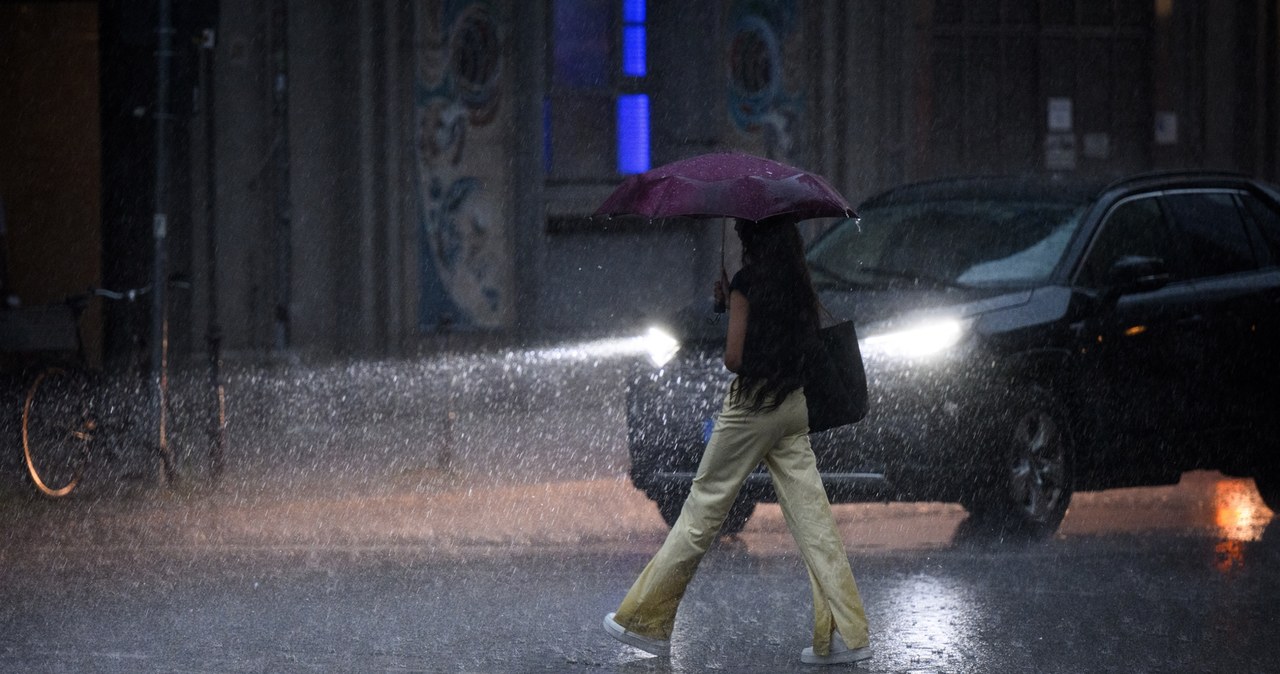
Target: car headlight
pixel 660 346
pixel 918 341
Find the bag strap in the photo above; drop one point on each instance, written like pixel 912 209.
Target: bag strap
pixel 832 320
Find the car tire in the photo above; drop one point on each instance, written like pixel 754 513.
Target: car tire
pixel 670 504
pixel 1030 453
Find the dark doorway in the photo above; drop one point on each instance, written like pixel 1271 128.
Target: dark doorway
pixel 50 154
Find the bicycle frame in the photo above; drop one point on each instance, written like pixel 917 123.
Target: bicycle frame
pixel 81 421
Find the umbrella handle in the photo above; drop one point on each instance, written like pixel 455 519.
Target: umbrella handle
pixel 721 307
pixel 723 237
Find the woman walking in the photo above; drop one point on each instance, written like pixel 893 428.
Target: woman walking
pixel 773 324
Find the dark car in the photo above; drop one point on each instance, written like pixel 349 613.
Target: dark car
pixel 1023 339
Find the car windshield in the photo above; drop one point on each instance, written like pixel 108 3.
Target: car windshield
pixel 961 243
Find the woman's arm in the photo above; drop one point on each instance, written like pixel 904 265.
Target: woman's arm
pixel 739 308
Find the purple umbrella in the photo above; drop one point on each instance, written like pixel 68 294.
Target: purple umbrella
pixel 726 184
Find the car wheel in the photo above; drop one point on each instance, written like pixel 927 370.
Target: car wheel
pixel 670 504
pixel 1031 452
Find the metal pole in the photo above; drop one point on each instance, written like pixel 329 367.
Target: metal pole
pixel 1269 58
pixel 159 232
pixel 366 328
pixel 213 331
pixel 282 230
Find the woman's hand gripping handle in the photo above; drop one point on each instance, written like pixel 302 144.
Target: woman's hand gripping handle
pixel 722 292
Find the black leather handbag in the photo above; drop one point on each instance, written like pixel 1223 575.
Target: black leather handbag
pixel 836 383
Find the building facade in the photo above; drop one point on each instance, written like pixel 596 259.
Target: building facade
pixel 368 176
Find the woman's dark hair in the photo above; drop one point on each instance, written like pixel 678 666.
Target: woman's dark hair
pixel 783 324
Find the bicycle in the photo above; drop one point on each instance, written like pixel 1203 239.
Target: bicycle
pixel 70 409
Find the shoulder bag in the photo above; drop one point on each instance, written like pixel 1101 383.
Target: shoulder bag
pixel 836 383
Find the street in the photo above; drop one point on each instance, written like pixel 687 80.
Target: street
pixel 340 559
pixel 336 336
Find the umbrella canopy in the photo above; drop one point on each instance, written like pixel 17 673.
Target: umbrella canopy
pixel 726 184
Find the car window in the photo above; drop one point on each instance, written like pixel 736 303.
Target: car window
pixel 1268 222
pixel 1215 230
pixel 1135 227
pixel 960 242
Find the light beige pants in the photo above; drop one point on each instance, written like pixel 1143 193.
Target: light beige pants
pixel 740 440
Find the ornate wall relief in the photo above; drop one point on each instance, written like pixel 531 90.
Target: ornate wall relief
pixel 461 180
pixel 758 100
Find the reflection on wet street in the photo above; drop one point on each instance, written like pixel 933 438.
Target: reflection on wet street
pixel 1145 576
pixel 1206 504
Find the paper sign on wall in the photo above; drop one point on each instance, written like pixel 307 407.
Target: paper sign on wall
pixel 1060 152
pixel 1059 114
pixel 1166 128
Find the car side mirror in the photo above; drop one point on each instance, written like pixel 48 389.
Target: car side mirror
pixel 1137 274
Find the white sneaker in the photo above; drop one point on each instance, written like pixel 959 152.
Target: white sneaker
pixel 840 653
pixel 646 644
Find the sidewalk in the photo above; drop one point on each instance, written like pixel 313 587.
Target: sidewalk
pixel 437 515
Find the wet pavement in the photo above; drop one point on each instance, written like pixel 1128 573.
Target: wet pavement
pixel 364 551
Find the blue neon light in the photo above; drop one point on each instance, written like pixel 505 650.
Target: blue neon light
pixel 633 11
pixel 633 133
pixel 634 57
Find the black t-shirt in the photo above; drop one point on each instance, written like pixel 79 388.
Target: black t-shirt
pixel 767 321
pixel 741 282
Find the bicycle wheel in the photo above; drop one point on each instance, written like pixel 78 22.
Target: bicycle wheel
pixel 57 426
